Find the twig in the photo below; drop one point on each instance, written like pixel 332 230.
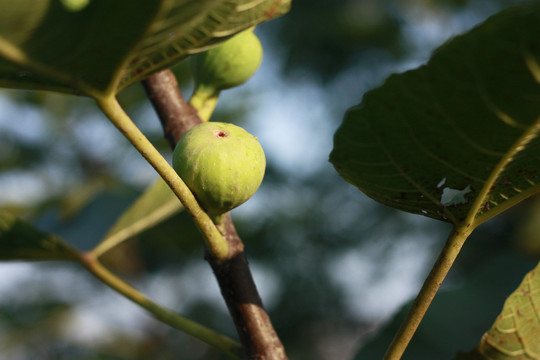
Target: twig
pixel 175 114
pixel 253 324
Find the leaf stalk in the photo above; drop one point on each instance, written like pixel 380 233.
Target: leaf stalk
pixel 428 291
pixel 205 101
pixel 210 337
pixel 215 242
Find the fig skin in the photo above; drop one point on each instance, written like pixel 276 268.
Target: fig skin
pixel 229 64
pixel 222 164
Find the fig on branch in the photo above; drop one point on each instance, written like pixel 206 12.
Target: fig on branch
pixel 228 65
pixel 222 164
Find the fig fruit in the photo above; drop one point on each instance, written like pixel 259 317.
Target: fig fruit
pixel 222 164
pixel 229 64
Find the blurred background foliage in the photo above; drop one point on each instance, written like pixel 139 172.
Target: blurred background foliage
pixel 332 266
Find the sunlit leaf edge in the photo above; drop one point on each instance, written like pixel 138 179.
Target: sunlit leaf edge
pixel 155 205
pixel 515 333
pixel 165 50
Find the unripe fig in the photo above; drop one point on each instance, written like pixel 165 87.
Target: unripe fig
pixel 222 164
pixel 229 64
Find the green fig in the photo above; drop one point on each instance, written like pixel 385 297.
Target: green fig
pixel 229 64
pixel 222 164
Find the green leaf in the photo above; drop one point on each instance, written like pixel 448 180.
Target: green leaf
pixel 98 47
pixel 156 204
pixel 516 331
pixel 21 241
pixel 456 139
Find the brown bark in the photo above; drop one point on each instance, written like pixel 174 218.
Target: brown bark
pixel 253 324
pixel 175 114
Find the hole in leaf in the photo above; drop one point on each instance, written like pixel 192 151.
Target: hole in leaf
pixel 454 196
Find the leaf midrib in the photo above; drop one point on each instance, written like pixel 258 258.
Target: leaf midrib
pixel 521 143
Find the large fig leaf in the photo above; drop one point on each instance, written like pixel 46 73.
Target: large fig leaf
pixel 516 331
pixel 457 139
pixel 157 203
pixel 21 241
pixel 102 46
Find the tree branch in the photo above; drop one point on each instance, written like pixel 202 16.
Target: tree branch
pixel 238 289
pixel 175 114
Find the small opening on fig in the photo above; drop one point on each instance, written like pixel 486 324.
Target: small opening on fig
pixel 220 134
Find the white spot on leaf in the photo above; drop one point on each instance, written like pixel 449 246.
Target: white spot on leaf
pixel 441 183
pixel 454 196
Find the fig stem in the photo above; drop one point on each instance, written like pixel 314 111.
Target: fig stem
pixel 216 244
pixel 219 220
pixel 221 342
pixel 204 101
